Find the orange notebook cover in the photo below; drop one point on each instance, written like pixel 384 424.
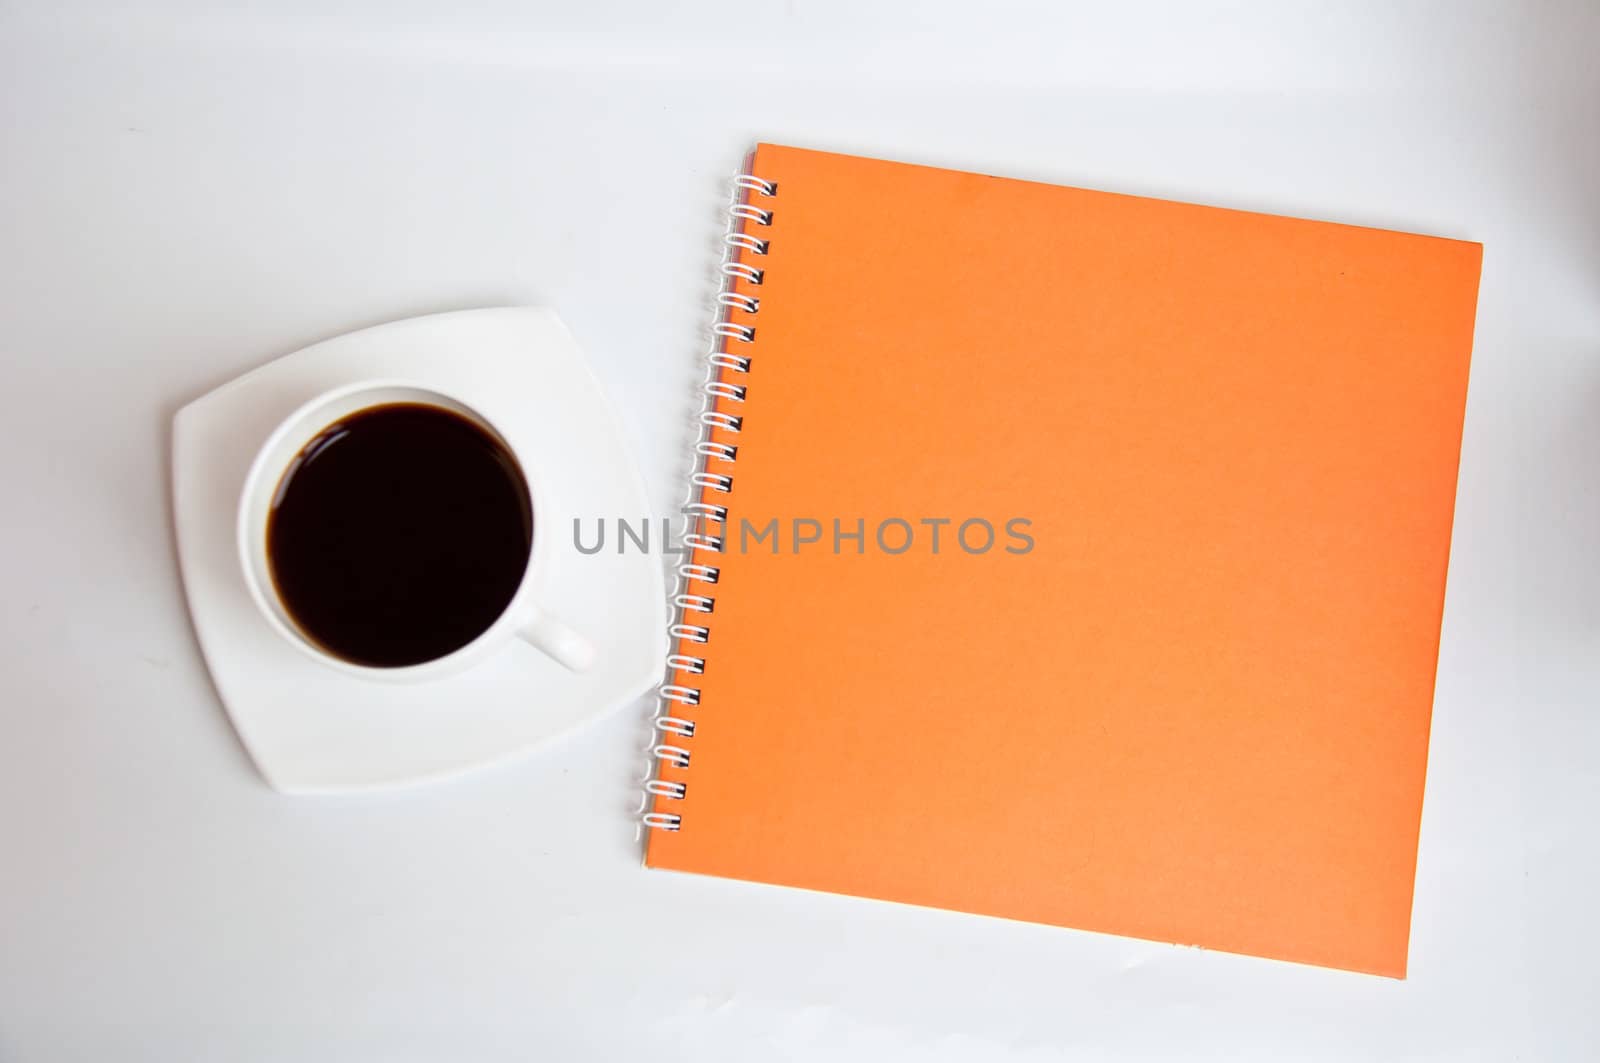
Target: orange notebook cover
pixel 1080 560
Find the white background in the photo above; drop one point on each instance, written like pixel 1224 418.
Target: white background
pixel 187 192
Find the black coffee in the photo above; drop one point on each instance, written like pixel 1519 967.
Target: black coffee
pixel 399 534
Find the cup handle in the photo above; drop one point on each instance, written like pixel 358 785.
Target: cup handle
pixel 558 641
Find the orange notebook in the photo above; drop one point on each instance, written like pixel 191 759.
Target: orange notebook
pixel 1069 557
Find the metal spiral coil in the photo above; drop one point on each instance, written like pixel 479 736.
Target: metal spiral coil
pixel 674 695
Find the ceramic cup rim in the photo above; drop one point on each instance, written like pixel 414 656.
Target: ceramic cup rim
pixel 265 478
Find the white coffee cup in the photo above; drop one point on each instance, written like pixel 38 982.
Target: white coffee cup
pixel 521 618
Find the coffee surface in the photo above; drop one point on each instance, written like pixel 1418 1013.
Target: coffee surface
pixel 399 534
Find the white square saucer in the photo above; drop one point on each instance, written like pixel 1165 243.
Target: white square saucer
pixel 312 729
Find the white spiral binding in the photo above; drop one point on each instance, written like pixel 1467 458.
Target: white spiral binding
pixel 711 481
pixel 743 272
pixel 701 573
pixel 699 513
pixel 689 632
pixel 715 419
pixel 737 362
